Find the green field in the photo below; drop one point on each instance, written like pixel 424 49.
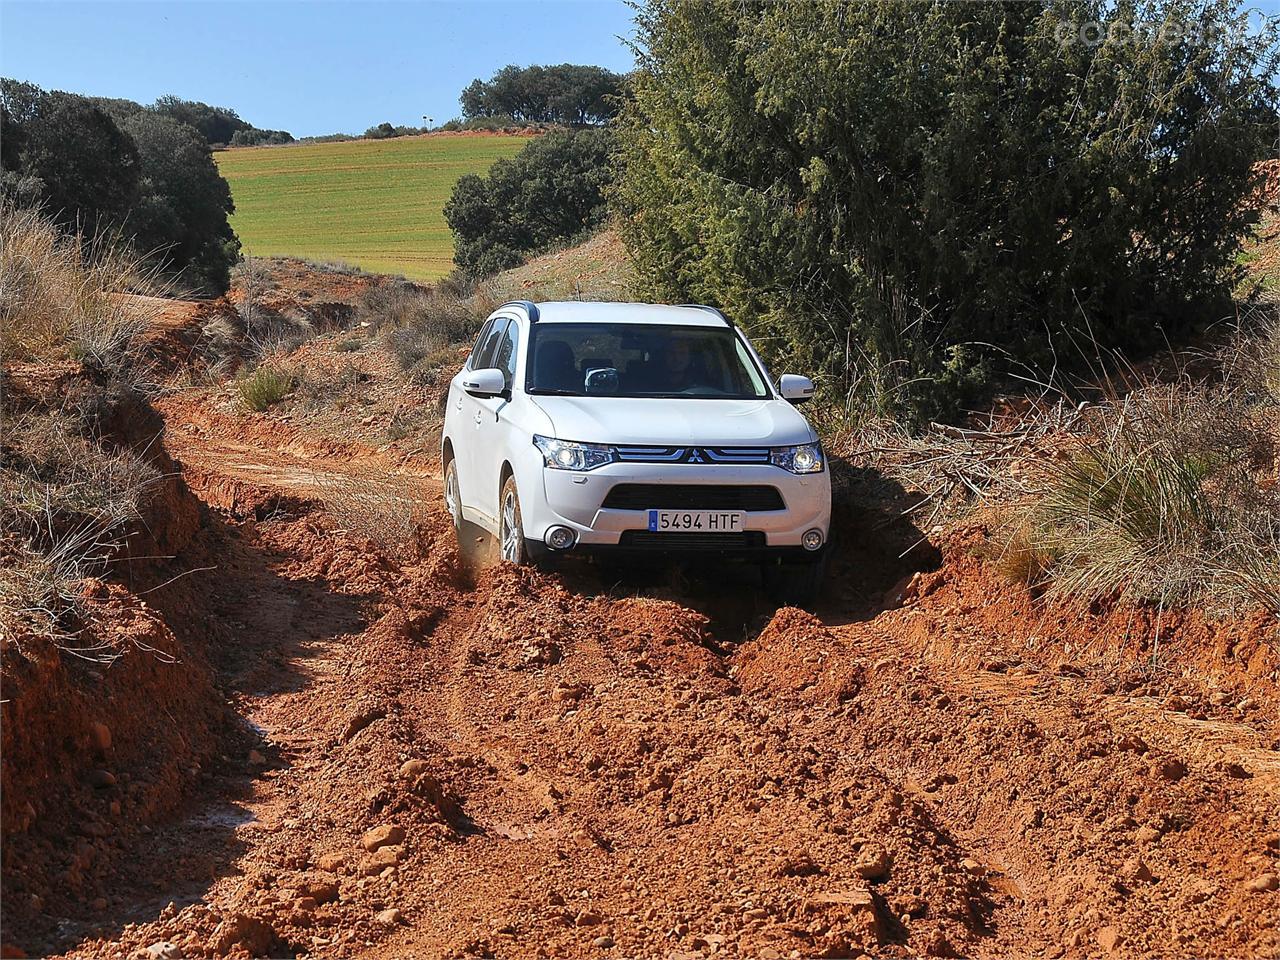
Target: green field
pixel 375 204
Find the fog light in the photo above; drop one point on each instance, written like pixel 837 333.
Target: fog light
pixel 812 539
pixel 560 538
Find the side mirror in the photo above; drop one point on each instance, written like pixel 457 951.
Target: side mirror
pixel 794 388
pixel 490 382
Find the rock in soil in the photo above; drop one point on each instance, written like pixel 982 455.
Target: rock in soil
pixel 382 836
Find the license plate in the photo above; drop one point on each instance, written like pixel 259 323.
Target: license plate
pixel 697 521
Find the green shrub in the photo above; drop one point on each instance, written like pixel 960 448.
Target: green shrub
pixel 965 189
pixel 264 387
pixel 552 190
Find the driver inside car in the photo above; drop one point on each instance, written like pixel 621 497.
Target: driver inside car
pixel 679 369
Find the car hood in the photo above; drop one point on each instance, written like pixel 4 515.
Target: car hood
pixel 621 420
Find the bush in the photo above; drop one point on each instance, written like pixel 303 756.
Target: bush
pixel 217 125
pixel 182 216
pixel 264 388
pixel 86 170
pixel 954 190
pixel 420 325
pixel 1164 503
pixel 552 190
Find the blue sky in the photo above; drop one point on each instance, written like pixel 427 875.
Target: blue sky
pixel 306 66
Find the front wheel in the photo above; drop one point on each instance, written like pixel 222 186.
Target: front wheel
pixel 510 529
pixel 452 499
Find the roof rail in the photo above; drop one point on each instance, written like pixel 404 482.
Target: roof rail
pixel 529 307
pixel 713 310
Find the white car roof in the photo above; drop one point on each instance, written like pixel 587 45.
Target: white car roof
pixel 578 311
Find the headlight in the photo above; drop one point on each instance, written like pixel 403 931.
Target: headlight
pixel 567 455
pixel 806 458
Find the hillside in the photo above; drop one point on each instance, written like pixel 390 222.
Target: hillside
pixel 375 204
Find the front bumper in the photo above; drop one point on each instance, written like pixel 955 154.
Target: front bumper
pixel 575 500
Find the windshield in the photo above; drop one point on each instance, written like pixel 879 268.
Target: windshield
pixel 641 360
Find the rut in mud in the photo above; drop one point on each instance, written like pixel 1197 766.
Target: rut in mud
pixel 433 760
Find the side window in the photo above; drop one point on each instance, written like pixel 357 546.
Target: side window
pixel 480 341
pixel 508 351
pixel 489 348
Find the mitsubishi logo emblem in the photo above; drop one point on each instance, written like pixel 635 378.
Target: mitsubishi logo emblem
pixel 695 456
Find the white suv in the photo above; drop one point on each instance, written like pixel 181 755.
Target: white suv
pixel 579 427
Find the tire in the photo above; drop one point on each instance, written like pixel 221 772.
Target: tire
pixel 797 584
pixel 511 543
pixel 452 498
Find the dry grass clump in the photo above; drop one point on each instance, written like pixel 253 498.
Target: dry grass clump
pixel 1164 501
pixel 1165 491
pixel 60 294
pixel 385 508
pixel 424 329
pixel 264 387
pixel 68 500
pixel 67 503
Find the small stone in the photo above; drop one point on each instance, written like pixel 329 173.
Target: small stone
pixel 1136 871
pixel 587 918
pixel 1147 834
pixel 254 935
pixel 332 862
pixel 382 859
pixel 872 862
pixel 382 836
pixel 1109 938
pixel 102 779
pixel 256 758
pixel 321 891
pixel 604 943
pixel 388 917
pixel 412 768
pixel 972 867
pixel 163 950
pixel 100 736
pixel 1263 883
pixel 796 865
pixel 360 721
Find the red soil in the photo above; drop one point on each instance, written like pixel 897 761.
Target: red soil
pixel 437 759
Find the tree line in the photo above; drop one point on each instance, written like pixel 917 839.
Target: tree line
pixel 99 164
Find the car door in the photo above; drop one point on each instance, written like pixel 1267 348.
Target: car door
pixel 495 427
pixel 472 483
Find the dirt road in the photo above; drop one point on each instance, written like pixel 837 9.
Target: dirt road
pixel 444 760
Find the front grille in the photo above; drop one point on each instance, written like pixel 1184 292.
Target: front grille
pixel 693 496
pixel 644 540
pixel 730 455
